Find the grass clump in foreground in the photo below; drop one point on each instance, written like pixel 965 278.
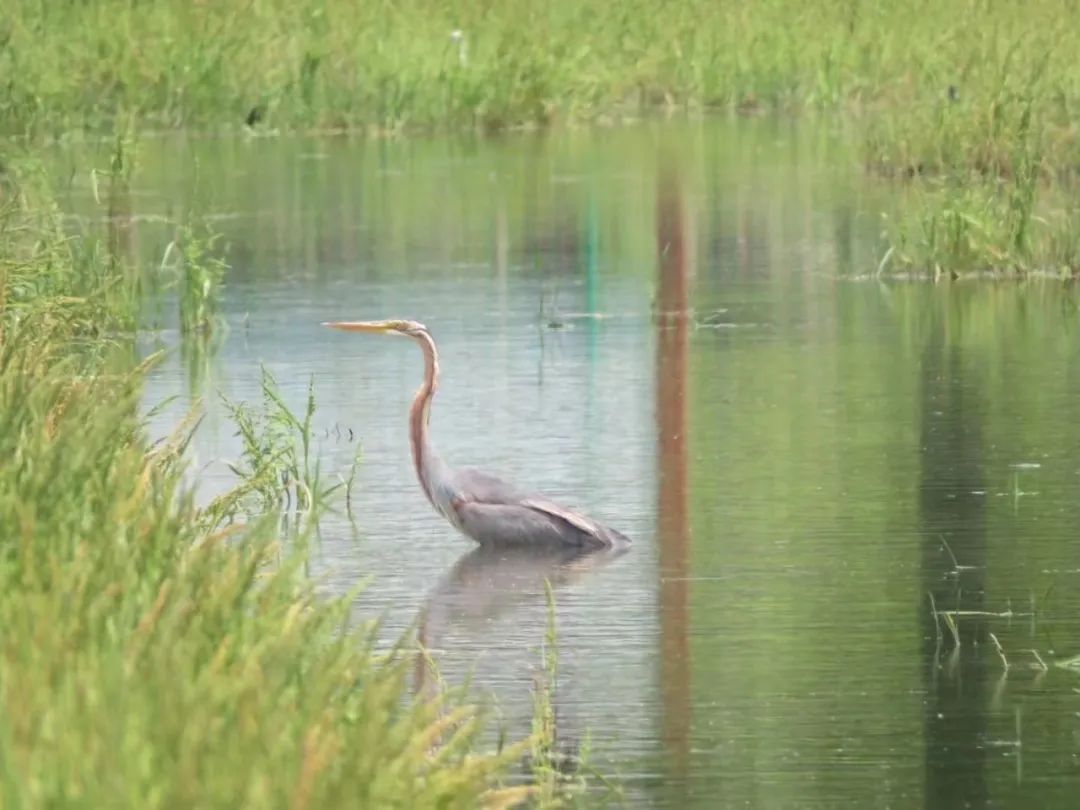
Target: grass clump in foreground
pixel 146 660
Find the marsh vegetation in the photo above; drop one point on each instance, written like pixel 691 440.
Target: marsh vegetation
pixel 160 650
pixel 969 104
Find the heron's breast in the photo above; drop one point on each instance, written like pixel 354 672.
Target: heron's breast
pixel 445 498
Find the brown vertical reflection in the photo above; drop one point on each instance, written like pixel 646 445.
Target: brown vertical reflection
pixel 952 511
pixel 671 408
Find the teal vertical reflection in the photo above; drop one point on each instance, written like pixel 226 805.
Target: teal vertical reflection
pixel 592 250
pixel 592 294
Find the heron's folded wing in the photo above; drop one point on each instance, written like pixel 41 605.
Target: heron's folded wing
pixel 518 524
pixel 593 532
pixel 573 518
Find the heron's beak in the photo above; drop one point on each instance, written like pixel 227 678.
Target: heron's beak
pixel 378 327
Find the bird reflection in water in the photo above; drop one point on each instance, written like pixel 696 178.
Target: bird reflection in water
pixel 488 584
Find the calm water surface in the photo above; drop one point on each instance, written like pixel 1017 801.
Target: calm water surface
pixel 659 326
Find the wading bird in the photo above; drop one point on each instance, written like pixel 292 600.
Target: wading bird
pixel 481 506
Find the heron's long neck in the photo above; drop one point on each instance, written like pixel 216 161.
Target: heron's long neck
pixel 425 459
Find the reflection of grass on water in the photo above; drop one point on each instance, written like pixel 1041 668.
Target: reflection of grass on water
pixel 547 763
pixel 198 352
pixel 146 658
pixel 559 771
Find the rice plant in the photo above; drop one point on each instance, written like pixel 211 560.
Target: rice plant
pixel 278 466
pixel 201 274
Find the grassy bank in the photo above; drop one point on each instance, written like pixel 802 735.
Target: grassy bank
pixel 959 74
pixel 961 94
pixel 149 658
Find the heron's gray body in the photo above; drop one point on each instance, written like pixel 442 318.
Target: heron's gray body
pixel 493 512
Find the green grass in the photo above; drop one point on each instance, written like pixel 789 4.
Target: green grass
pixel 147 659
pixel 967 92
pixel 333 63
pixel 950 229
pixel 201 274
pixel 278 469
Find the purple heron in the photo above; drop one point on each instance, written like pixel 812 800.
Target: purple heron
pixel 479 505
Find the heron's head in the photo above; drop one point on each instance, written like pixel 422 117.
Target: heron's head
pixel 393 327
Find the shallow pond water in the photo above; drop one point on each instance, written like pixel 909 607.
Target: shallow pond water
pixel 655 324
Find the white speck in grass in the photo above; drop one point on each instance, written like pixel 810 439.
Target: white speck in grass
pixel 458 36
